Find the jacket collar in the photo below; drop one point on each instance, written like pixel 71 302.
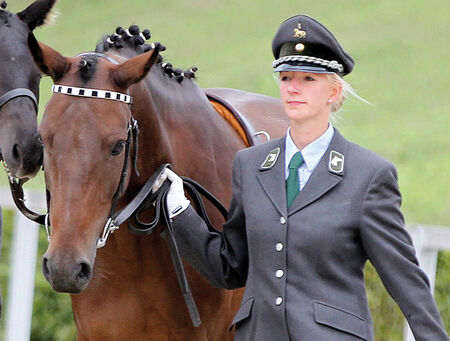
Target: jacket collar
pixel 328 173
pixel 272 178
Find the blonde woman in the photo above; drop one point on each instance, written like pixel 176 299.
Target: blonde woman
pixel 308 211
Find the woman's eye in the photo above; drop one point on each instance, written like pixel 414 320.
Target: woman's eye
pixel 118 147
pixel 284 78
pixel 309 78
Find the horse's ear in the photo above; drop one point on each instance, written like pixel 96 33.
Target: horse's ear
pixel 134 69
pixel 49 61
pixel 36 14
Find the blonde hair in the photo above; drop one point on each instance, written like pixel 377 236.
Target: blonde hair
pixel 347 91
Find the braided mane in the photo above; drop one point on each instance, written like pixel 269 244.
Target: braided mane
pixel 4 14
pixel 134 39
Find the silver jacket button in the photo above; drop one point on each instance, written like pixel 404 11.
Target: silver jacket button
pixel 278 301
pixel 279 247
pixel 279 273
pixel 283 220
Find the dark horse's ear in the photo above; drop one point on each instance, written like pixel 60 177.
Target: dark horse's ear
pixel 49 61
pixel 134 69
pixel 35 14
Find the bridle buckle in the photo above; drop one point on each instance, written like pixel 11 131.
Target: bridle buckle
pixel 109 228
pixel 10 174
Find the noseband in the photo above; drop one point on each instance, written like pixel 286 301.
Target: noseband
pixel 19 92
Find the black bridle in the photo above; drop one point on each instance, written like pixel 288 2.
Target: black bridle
pixel 132 138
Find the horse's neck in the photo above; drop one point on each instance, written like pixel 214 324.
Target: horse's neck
pixel 167 110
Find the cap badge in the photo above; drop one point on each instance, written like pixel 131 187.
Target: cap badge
pixel 336 164
pixel 298 32
pixel 299 47
pixel 271 158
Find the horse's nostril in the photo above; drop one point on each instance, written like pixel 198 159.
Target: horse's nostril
pixel 41 158
pixel 45 269
pixel 85 272
pixel 15 152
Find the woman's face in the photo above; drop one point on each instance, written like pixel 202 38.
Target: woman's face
pixel 306 96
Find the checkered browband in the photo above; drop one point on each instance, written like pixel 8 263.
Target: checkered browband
pixel 93 93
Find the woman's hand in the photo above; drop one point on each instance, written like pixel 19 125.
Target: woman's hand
pixel 176 200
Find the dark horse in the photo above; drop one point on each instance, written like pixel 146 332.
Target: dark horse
pixel 128 289
pixel 20 148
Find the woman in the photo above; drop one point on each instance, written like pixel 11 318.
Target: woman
pixel 308 210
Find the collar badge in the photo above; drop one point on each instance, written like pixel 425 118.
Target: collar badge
pixel 336 163
pixel 271 158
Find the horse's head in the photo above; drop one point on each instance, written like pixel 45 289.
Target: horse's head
pixel 85 154
pixel 20 147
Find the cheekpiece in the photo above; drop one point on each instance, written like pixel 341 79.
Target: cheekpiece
pixel 303 44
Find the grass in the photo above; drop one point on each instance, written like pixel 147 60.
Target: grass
pixel 402 63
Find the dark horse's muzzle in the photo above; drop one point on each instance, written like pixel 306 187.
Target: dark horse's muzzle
pixel 20 146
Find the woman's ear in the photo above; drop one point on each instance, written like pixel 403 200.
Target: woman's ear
pixel 336 91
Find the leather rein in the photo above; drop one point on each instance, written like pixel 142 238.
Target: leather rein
pixel 141 202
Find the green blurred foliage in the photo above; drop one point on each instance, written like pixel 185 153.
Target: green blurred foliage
pixel 402 63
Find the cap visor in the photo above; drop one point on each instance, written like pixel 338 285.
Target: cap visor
pixel 301 68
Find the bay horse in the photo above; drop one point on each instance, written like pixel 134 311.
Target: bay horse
pixel 20 148
pixel 128 289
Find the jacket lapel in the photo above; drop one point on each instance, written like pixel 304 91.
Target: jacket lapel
pixel 328 173
pixel 273 179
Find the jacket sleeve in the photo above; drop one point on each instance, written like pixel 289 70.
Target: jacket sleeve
pixel 389 248
pixel 219 256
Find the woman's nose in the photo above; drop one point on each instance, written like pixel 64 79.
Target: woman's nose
pixel 294 87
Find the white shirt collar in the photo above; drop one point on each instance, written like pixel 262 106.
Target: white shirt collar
pixel 313 152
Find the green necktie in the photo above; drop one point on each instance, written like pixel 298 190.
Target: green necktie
pixel 292 182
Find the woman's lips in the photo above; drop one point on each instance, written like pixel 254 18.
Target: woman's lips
pixel 295 102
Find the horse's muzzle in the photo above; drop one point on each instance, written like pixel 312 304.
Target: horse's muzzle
pixel 66 275
pixel 23 156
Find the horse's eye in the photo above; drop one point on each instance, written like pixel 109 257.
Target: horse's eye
pixel 118 147
pixel 39 138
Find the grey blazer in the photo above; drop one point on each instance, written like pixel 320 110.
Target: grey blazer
pixel 303 267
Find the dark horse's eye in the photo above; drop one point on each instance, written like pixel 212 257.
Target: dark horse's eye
pixel 39 138
pixel 118 147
